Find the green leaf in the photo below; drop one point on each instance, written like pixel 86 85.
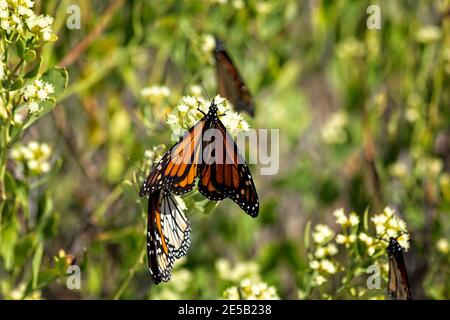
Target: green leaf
pixel 366 219
pixel 306 235
pixel 36 263
pixel 17 84
pixel 8 243
pixel 58 77
pixel 35 70
pixel 20 45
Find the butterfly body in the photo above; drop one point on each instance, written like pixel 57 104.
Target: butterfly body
pixel 398 282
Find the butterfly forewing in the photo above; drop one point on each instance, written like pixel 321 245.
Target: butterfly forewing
pixel 398 282
pixel 177 168
pixel 230 83
pixel 229 173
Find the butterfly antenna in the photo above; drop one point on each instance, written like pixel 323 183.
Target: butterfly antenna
pixel 135 166
pixel 381 237
pixel 401 234
pixel 204 89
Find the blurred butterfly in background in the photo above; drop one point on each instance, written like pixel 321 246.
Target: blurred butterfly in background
pixel 230 83
pixel 398 282
pixel 168 234
pixel 223 173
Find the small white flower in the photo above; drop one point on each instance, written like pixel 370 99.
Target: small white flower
pixel 45 150
pixel 30 91
pixel 42 94
pixel 33 164
pixel 314 264
pixel 319 280
pixel 322 233
pixel 328 266
pixel 340 238
pixel 196 90
pixel 33 107
pixel 208 43
pixel 183 109
pixel 33 146
pixel 443 246
pixel 45 167
pixel 49 88
pixel 341 218
pixel 320 252
pixel 353 219
pixel 172 119
pixel 331 249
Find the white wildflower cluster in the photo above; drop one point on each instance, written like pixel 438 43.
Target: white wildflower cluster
pixel 320 257
pixel 38 91
pixel 426 166
pixel 249 289
pixel 322 234
pixel 187 113
pixel 235 273
pixel 347 237
pixel 246 274
pixel 18 15
pixel 33 157
pixel 208 43
pixel 155 93
pixel 177 288
pixel 195 90
pixel 387 224
pixel 344 220
pixel 352 236
pixel 351 49
pixel 20 292
pixel 152 156
pixel 333 132
pixel 429 34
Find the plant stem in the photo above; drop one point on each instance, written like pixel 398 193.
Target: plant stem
pixel 3 158
pixel 130 274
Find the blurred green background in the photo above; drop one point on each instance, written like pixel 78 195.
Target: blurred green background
pixel 364 119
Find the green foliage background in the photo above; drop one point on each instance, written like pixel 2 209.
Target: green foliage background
pixel 304 61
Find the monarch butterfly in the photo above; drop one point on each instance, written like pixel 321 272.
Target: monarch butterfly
pixel 230 82
pixel 398 283
pixel 168 234
pixel 224 172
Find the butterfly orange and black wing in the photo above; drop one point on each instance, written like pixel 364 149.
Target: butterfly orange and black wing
pixel 398 282
pixel 226 171
pixel 168 235
pixel 205 186
pixel 177 168
pixel 230 83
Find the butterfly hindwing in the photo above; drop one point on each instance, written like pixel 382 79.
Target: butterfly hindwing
pixel 175 225
pixel 168 234
pixel 160 259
